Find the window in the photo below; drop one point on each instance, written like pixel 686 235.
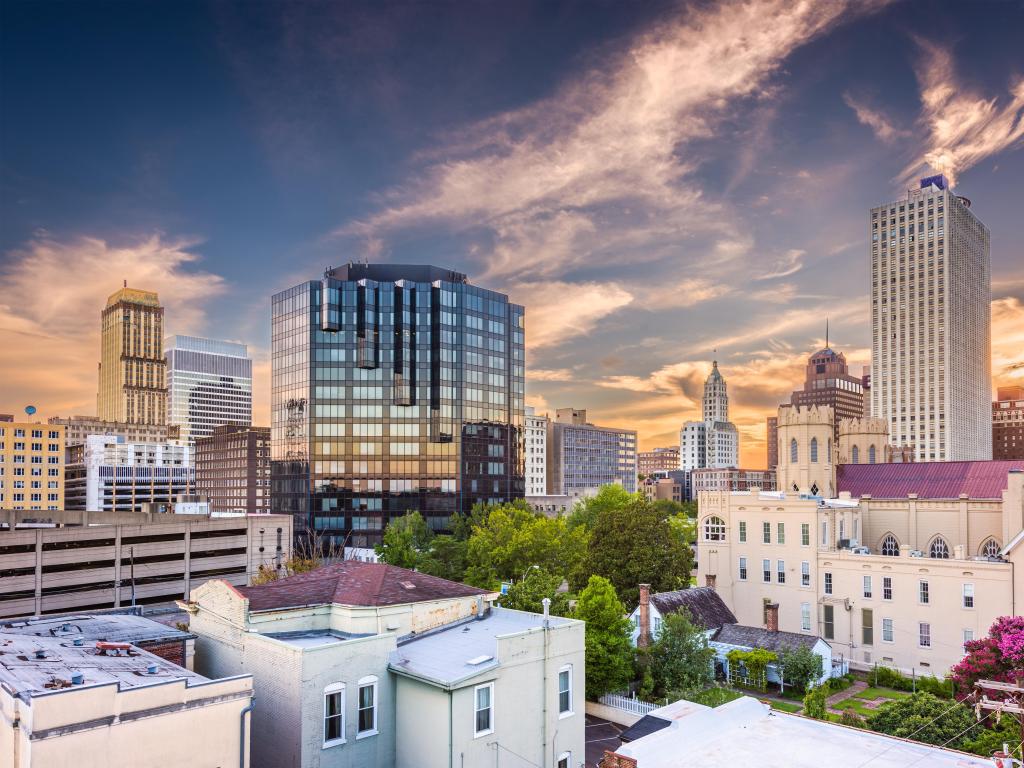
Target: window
pixel 829 612
pixel 924 634
pixel 743 531
pixel 968 595
pixel 867 587
pixel 887 632
pixel 766 532
pixel 887 587
pixel 805 617
pixel 867 626
pixel 743 569
pixel 780 533
pixel 780 570
pixel 922 592
pixel 657 626
pixel 766 567
pixel 828 583
pixel 939 548
pixel 793 453
pixel 334 714
pixel 968 637
pixel 824 533
pixel 871 454
pixel 565 691
pixel 856 455
pixel 805 534
pixel 367 707
pixel 484 709
pixel 805 574
pixel 814 449
pixel 890 547
pixel 714 529
pixel 564 760
pixel 990 548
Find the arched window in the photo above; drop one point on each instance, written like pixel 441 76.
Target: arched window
pixel 890 547
pixel 714 529
pixel 814 449
pixel 990 548
pixel 793 453
pixel 871 454
pixel 939 548
pixel 856 455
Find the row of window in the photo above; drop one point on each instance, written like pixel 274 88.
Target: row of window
pixel 780 571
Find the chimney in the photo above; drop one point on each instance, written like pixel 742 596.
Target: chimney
pixel 771 612
pixel 645 616
pixel 615 760
pixel 546 602
pixel 479 607
pixel 709 580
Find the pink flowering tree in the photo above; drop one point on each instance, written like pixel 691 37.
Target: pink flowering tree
pixel 1000 656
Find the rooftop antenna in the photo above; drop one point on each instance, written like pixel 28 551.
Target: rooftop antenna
pixel 826 332
pixel 126 282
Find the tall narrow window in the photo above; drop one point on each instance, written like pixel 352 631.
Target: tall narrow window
pixel 793 453
pixel 922 592
pixel 805 534
pixel 829 616
pixel 887 631
pixel 367 707
pixel 743 531
pixel 565 691
pixel 805 574
pixel 743 569
pixel 334 714
pixel 856 455
pixel 867 587
pixel 968 595
pixel 828 583
pixel 766 532
pixel 887 587
pixel 805 617
pixel 814 449
pixel 871 454
pixel 924 634
pixel 766 567
pixel 484 712
pixel 867 626
pixel 780 533
pixel 780 571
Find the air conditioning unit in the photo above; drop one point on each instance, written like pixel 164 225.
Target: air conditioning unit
pixel 844 544
pixel 861 551
pixel 916 553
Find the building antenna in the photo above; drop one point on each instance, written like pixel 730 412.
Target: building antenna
pixel 826 332
pixel 126 282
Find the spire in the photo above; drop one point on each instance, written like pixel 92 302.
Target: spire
pixel 826 331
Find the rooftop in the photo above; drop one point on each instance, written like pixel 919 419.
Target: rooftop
pixel 759 637
pixel 352 582
pixel 704 605
pixel 314 638
pixel 929 480
pixel 27 675
pixel 110 627
pixel 746 732
pixel 462 650
pixel 387 273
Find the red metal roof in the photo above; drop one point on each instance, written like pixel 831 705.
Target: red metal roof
pixel 929 480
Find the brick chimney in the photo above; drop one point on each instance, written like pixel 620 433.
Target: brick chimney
pixel 709 580
pixel 771 613
pixel 615 760
pixel 645 617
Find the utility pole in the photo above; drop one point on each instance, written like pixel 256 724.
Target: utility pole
pixel 1012 704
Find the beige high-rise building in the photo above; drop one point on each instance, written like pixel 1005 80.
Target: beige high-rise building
pixel 931 324
pixel 132 372
pixel 31 465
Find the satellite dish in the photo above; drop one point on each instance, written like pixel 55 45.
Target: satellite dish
pixel 30 409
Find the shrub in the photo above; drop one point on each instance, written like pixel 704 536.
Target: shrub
pixel 815 702
pixel 852 719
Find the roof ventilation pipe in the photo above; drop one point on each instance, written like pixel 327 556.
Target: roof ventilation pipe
pixel 546 602
pixel 479 607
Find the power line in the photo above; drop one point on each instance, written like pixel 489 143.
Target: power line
pixel 956 703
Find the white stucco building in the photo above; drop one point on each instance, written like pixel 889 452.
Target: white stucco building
pixel 536 453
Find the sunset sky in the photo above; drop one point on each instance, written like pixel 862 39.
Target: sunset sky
pixel 654 181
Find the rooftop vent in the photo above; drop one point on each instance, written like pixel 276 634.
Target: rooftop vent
pixel 477 660
pixel 40 653
pixel 152 668
pixel 78 641
pixel 408 585
pixel 77 678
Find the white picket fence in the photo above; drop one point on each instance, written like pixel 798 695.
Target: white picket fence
pixel 629 704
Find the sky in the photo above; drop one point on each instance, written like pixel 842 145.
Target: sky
pixel 659 183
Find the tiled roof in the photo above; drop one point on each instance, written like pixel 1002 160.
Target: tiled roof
pixel 758 637
pixel 705 606
pixel 354 583
pixel 930 480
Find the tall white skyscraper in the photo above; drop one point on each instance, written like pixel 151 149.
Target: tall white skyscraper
pixel 931 370
pixel 713 442
pixel 209 383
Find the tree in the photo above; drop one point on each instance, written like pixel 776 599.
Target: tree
pixel 816 702
pixel 611 496
pixel 405 540
pixel 446 558
pixel 1000 656
pixel 634 543
pixel 801 666
pixel 681 659
pixel 609 652
pixel 309 553
pixel 926 718
pixel 527 594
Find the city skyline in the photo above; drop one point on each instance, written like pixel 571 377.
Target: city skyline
pixel 621 223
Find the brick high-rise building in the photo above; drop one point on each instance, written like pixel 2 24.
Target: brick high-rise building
pixel 828 382
pixel 772 440
pixel 658 460
pixel 233 468
pixel 1008 423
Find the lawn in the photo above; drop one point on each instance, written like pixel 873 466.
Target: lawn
pixel 715 697
pixel 869 694
pixel 854 705
pixel 786 706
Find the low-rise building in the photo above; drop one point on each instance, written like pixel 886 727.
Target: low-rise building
pixel 672 485
pixel 91 704
pixel 31 465
pixel 77 428
pixel 367 664
pixel 731 479
pixel 74 561
pixel 233 468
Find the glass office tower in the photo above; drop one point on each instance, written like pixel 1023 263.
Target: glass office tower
pixel 209 384
pixel 395 388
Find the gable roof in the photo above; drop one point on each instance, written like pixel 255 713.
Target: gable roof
pixel 929 480
pixel 758 637
pixel 352 582
pixel 704 604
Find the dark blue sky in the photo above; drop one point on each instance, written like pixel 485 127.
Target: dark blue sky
pixel 653 180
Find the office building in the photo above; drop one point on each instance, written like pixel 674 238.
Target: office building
pixel 536 453
pixel 772 441
pixel 931 324
pixel 583 457
pixel 233 469
pixel 108 474
pixel 828 382
pixel 209 383
pixel 84 561
pixel 713 441
pixel 1008 423
pixel 77 428
pixel 731 479
pixel 132 386
pixel 672 485
pixel 31 465
pixel 381 667
pixel 658 460
pixel 395 387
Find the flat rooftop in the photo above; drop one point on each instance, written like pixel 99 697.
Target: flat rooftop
pixel 747 732
pixel 314 638
pixel 26 675
pixel 111 627
pixel 452 654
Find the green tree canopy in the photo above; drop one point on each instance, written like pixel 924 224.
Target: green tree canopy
pixel 609 652
pixel 801 666
pixel 527 594
pixel 445 558
pixel 586 511
pixel 681 659
pixel 927 718
pixel 405 539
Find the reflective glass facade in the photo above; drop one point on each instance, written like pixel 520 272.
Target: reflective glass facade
pixel 394 388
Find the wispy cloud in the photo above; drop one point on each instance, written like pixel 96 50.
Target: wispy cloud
pixel 789 264
pixel 560 311
pixel 964 126
pixel 1008 340
pixel 875 120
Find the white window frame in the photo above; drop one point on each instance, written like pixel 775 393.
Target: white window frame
pixel 330 690
pixel 368 681
pixel 923 592
pixel 743 531
pixel 766 571
pixel 968 637
pixel 766 532
pixel 567 758
pixel 887 588
pixel 805 534
pixel 490 709
pixel 805 617
pixel 565 712
pixel 867 590
pixel 828 583
pixel 743 569
pixel 780 571
pixel 780 533
pixel 805 573
pixel 967 594
pixel 888 627
pixel 922 635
